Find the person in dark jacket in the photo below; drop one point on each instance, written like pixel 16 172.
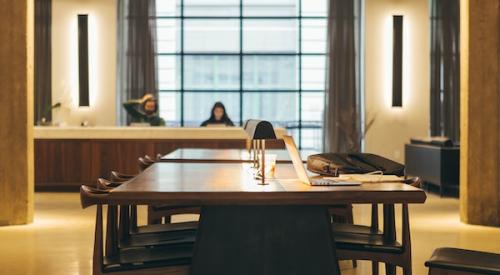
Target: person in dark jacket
pixel 218 116
pixel 144 110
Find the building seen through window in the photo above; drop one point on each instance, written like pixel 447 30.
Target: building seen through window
pixel 263 59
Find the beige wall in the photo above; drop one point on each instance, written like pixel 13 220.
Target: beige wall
pixel 102 61
pixel 394 126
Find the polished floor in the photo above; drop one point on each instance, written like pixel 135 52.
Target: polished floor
pixel 61 237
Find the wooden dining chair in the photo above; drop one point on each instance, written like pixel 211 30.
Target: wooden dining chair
pixel 373 231
pixel 158 214
pixel 373 228
pixel 109 258
pixel 169 234
pixel 129 212
pixel 159 157
pixel 121 177
pixel 143 163
pixel 448 260
pixel 377 247
pixel 149 159
pixel 128 215
pixel 346 224
pixel 130 232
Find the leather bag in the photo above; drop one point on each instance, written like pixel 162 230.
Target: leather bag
pixel 333 164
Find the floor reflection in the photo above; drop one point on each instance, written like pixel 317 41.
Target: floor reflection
pixel 60 239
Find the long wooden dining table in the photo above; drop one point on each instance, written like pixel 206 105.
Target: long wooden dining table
pixel 198 155
pixel 246 228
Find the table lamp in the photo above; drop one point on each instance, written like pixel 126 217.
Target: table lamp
pixel 258 132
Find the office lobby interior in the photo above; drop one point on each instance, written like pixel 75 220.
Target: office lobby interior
pixel 244 137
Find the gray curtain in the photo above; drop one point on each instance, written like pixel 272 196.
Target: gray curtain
pixel 137 73
pixel 43 57
pixel 342 122
pixel 445 69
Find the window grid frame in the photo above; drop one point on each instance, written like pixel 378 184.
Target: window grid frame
pixel 299 54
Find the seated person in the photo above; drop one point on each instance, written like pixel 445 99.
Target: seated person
pixel 144 110
pixel 218 116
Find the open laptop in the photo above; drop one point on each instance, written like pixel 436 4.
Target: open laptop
pixel 301 170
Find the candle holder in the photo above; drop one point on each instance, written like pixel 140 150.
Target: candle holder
pixel 258 132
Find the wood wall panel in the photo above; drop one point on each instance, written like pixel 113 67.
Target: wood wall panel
pixel 65 164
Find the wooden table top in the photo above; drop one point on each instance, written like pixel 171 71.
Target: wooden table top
pixel 233 183
pixel 227 155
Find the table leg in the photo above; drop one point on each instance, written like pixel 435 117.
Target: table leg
pixel 389 232
pixel 266 240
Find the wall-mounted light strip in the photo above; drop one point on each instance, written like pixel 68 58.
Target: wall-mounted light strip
pixel 83 59
pixel 397 61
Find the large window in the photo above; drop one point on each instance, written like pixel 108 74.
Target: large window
pixel 263 59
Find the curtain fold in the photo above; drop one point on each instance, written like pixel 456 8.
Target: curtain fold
pixel 445 69
pixel 137 74
pixel 342 121
pixel 43 60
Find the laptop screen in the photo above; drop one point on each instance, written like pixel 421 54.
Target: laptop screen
pixel 296 159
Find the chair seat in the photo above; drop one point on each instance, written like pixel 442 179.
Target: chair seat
pixel 141 258
pixel 167 227
pixel 372 243
pixel 465 260
pixel 158 239
pixel 354 228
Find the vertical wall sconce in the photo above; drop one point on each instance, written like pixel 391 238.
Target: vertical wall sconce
pixel 397 61
pixel 83 59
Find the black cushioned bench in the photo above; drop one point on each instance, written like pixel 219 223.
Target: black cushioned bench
pixel 462 262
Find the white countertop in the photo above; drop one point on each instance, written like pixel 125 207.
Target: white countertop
pixel 50 132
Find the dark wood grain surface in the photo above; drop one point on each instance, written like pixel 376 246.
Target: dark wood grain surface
pixel 65 164
pixel 227 155
pixel 232 183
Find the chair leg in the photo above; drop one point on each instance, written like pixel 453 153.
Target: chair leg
pixel 390 269
pixel 374 268
pixel 133 218
pixel 407 270
pixel 124 225
pixel 354 263
pixel 153 219
pixel 349 214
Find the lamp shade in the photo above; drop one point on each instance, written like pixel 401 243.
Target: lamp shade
pixel 259 129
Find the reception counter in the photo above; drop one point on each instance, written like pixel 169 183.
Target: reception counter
pixel 205 133
pixel 67 157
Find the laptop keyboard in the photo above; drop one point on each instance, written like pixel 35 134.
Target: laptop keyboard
pixel 327 182
pixel 322 182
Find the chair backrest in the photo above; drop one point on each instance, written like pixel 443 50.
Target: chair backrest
pixel 91 196
pixel 143 163
pixel 149 159
pixel 104 184
pixel 120 177
pixel 415 182
pixel 128 213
